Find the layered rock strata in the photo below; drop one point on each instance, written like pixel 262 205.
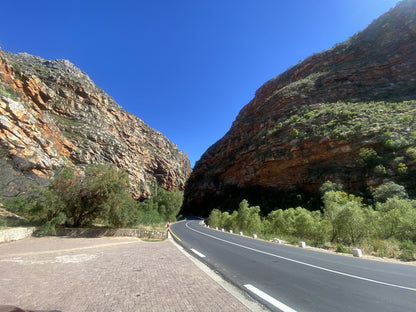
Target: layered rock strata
pixel 54 116
pixel 295 134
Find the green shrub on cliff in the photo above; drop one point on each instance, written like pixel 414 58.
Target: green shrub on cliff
pixel 389 190
pixel 347 120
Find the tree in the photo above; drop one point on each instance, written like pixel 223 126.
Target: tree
pixel 330 186
pixel 275 222
pixel 169 203
pixel 248 218
pixel 148 212
pixel 347 216
pixel 164 205
pixel 351 222
pixel 333 202
pixel 397 218
pixel 214 218
pixel 47 207
pixel 306 223
pixel 102 192
pixel 389 190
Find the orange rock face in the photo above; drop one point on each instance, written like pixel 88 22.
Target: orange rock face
pixel 52 116
pixel 262 155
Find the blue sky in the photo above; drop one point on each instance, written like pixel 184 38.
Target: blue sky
pixel 184 67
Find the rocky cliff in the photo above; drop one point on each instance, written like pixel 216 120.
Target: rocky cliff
pixel 54 116
pixel 347 115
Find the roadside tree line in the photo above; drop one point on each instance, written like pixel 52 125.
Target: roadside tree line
pixel 100 196
pixel 386 228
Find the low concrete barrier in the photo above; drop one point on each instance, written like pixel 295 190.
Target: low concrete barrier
pixel 14 234
pixel 356 252
pixel 302 244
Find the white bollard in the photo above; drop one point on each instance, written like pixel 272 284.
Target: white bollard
pixel 255 236
pixel 216 228
pixel 222 230
pixel 356 252
pixel 231 231
pixel 241 233
pixel 302 244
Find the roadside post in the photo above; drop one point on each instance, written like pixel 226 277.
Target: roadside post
pixel 168 229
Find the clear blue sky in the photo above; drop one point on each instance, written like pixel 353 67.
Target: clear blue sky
pixel 184 67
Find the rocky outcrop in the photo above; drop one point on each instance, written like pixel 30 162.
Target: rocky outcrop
pixel 301 128
pixel 54 116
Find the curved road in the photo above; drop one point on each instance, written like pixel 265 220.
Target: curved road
pixel 286 278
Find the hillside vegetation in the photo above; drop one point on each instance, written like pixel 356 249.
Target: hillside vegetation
pixel 346 115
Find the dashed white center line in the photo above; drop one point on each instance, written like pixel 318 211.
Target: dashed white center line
pixel 198 253
pixel 281 306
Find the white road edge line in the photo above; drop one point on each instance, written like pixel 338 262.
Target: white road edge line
pixel 198 253
pixel 281 306
pixel 304 263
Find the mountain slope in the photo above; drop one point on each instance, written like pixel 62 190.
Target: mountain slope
pixel 346 115
pixel 54 116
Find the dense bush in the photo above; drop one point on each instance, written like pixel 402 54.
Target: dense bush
pixel 387 228
pixel 389 190
pixel 163 206
pixel 100 193
pixel 347 215
pixel 98 196
pixel 246 219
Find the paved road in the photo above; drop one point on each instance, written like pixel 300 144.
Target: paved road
pixel 299 279
pixel 106 274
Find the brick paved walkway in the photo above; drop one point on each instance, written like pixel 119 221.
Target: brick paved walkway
pixel 106 274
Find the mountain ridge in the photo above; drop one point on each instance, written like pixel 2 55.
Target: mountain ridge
pixel 270 147
pixel 54 116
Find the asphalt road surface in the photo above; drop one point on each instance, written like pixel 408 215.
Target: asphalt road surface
pixel 287 278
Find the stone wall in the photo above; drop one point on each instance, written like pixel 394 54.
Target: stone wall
pixel 16 234
pixel 96 232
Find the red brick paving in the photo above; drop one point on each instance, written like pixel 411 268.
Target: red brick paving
pixel 106 274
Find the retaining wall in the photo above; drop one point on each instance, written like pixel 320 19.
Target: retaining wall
pixel 14 234
pixel 96 232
